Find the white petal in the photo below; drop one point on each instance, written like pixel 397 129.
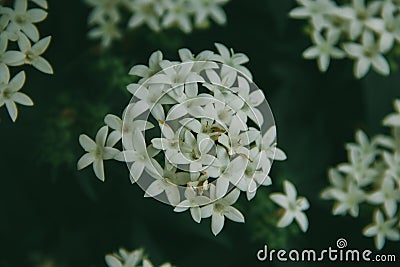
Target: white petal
pixel 286 219
pixel 85 161
pixel 98 168
pixel 302 220
pixel 217 223
pixel 233 214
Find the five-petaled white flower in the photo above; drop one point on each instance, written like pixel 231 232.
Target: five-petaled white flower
pixel 33 53
pixel 324 49
pixel 194 202
pixel 97 151
pixel 382 229
pixel 294 207
pixel 220 209
pixel 23 19
pixel 313 9
pixel 388 195
pixel 9 92
pixel 366 54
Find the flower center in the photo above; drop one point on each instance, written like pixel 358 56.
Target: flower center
pixel 20 19
pixel 7 93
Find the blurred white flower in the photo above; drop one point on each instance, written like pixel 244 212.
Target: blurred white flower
pixel 324 49
pixel 97 151
pixel 388 27
pixel 393 120
pixel 126 258
pixel 388 195
pixel 146 12
pixel 203 9
pixel 366 55
pixel 382 229
pixel 9 92
pixel 294 206
pixel 313 9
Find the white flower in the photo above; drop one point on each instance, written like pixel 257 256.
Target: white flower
pixel 220 209
pixel 153 68
pixel 393 120
pixel 367 54
pixel 393 163
pixel 203 9
pixel 388 195
pixel 192 201
pixel 104 10
pixel 151 98
pixel 9 92
pixel 146 12
pixel 33 53
pixel 124 258
pixel 313 9
pixel 324 49
pixel 388 27
pixel 97 151
pixel 382 229
pixel 233 60
pixel 231 171
pixel 23 19
pixel 338 182
pixel 200 62
pixel 348 199
pixel 255 174
pixel 167 180
pixel 126 128
pixel 365 148
pixel 294 207
pixel 11 57
pixel 177 13
pixel 359 167
pixel 359 15
pixel 268 147
pixel 140 156
pixel 107 30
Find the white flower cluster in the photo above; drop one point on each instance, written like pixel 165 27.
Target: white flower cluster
pixel 135 258
pixel 364 31
pixel 211 118
pixel 371 176
pixel 17 25
pixel 107 15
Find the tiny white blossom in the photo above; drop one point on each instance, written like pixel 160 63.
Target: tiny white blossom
pixel 382 229
pixel 97 151
pixel 313 9
pixel 366 54
pixel 146 12
pixel 23 19
pixel 294 206
pixel 203 9
pixel 33 53
pixel 147 71
pixel 348 199
pixel 324 49
pixel 231 59
pixel 177 13
pixel 9 92
pixel 388 27
pixel 393 120
pixel 194 202
pixel 388 195
pixel 222 208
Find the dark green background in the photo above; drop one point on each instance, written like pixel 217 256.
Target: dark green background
pixel 50 212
